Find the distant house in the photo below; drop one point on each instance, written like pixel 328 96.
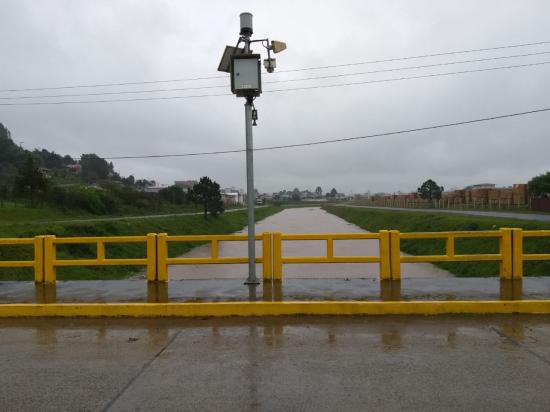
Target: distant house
pixel 45 172
pixel 185 184
pixel 231 196
pixel 154 189
pixel 481 186
pixel 74 168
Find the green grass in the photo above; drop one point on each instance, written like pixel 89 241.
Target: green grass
pixel 182 225
pixel 12 213
pixel 377 219
pixel 522 209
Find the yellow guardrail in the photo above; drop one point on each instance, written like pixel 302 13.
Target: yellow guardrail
pixel 519 256
pixel 51 262
pixel 383 258
pixel 504 257
pixel 510 256
pixel 38 259
pixel 164 260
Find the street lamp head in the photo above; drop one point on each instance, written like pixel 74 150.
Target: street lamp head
pixel 246 24
pixel 278 46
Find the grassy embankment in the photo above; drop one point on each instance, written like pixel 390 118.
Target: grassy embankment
pixel 376 219
pixel 18 213
pixel 182 225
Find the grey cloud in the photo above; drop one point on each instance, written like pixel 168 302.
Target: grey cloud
pixel 61 42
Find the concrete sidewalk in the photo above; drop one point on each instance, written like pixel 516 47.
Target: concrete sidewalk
pixel 274 364
pixel 505 215
pixel 219 290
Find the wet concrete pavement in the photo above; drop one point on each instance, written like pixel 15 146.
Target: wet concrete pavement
pixel 489 213
pixel 216 290
pixel 302 220
pixel 274 364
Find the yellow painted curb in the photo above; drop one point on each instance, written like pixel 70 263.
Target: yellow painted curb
pixel 272 308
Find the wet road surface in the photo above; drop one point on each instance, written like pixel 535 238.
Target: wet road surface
pixel 302 220
pixel 219 290
pixel 505 215
pixel 276 364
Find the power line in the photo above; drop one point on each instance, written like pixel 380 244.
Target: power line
pixel 414 57
pixel 276 90
pixel 424 66
pixel 279 71
pixel 345 139
pixel 423 76
pixel 276 81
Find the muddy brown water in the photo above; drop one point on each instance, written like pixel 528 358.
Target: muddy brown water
pixel 301 220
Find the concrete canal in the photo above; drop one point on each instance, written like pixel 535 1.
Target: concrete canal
pixel 302 220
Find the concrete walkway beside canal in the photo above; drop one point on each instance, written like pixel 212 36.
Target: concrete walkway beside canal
pixel 541 217
pixel 473 363
pixel 302 220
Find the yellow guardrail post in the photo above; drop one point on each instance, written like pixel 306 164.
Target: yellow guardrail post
pixel 214 249
pixel 517 253
pixel 151 257
pixel 277 256
pixel 100 251
pixel 450 246
pixel 505 250
pixel 330 247
pixel 162 257
pixel 39 259
pixel 385 269
pixel 395 255
pixel 267 259
pixel 49 259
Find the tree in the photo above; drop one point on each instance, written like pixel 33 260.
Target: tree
pixel 430 190
pixel 173 194
pixel 318 191
pixel 94 168
pixel 30 180
pixel 207 193
pixel 296 196
pixel 539 186
pixel 3 194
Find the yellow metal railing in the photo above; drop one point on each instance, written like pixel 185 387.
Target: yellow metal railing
pixel 518 253
pixel 383 258
pixel 164 260
pixel 504 257
pixel 51 261
pixel 510 256
pixel 38 259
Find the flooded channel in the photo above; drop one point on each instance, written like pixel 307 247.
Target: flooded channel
pixel 302 220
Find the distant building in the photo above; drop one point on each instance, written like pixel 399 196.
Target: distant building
pixel 185 184
pixel 154 189
pixel 45 172
pixel 232 196
pixel 481 186
pixel 74 168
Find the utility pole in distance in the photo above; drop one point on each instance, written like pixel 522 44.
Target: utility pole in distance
pixel 246 81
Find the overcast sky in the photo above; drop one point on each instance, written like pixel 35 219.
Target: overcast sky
pixel 73 42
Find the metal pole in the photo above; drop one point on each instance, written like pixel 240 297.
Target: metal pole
pixel 250 194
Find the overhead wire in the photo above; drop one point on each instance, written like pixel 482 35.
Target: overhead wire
pixel 277 81
pixel 93 85
pixel 337 140
pixel 63 102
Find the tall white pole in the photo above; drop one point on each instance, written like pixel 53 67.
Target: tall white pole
pixel 250 191
pixel 250 194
